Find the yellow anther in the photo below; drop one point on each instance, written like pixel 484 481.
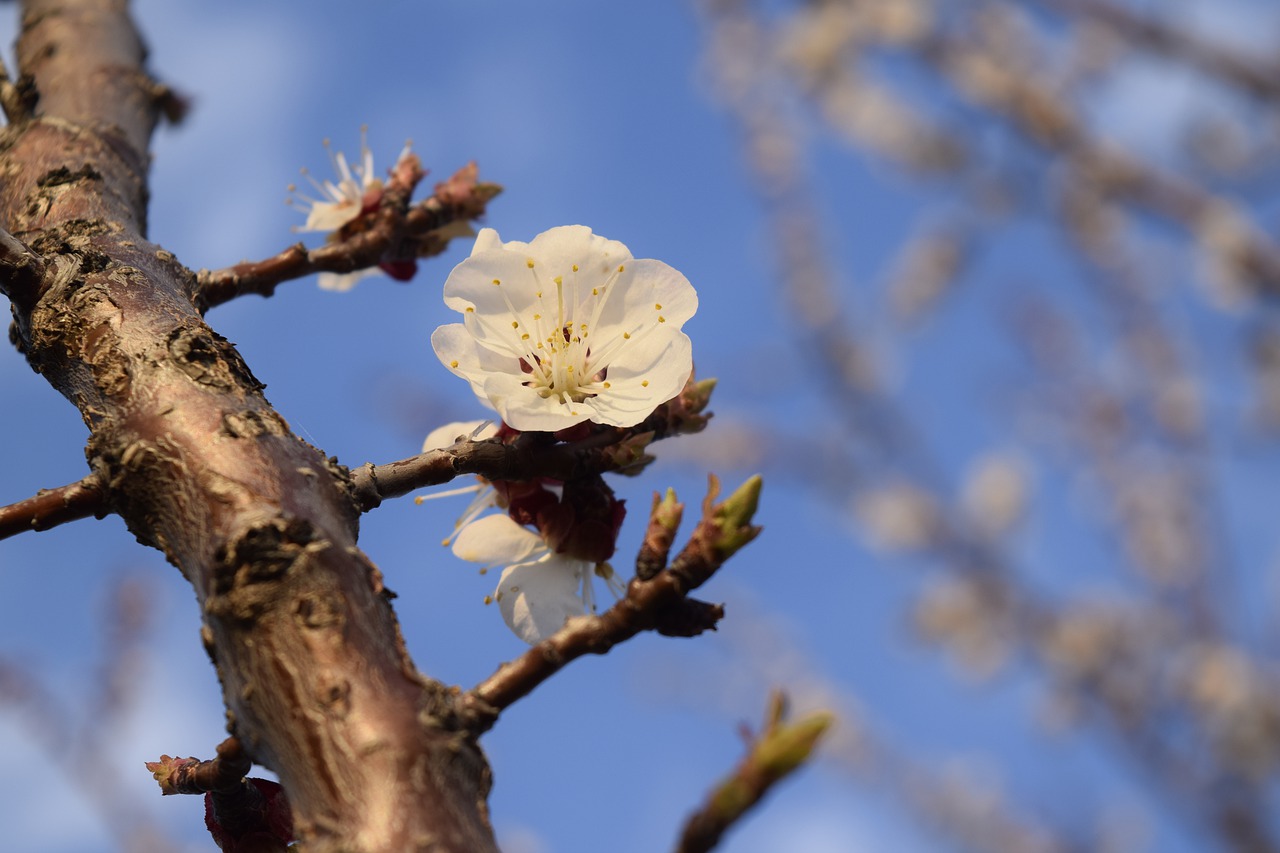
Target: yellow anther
pixel 471 309
pixel 595 291
pixel 661 319
pixel 626 336
pixel 575 267
pixel 644 383
pixel 515 324
pixel 657 306
pixel 558 279
pixel 621 267
pixel 529 263
pixel 497 281
pixel 525 336
pixel 488 599
pixel 607 385
pixel 537 316
pixel 453 363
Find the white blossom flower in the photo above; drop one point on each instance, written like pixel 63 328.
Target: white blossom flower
pixel 341 202
pixel 538 589
pixel 567 328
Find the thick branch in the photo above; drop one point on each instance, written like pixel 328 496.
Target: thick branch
pixel 51 507
pixel 317 682
pixel 659 603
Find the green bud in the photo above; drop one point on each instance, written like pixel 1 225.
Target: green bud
pixel 698 394
pixel 732 517
pixel 788 745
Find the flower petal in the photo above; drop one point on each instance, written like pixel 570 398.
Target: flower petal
pixel 342 282
pixel 448 435
pixel 537 597
pixel 496 540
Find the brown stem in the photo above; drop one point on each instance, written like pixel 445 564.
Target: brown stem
pixel 192 776
pixel 51 507
pixel 533 455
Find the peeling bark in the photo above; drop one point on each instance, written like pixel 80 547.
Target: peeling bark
pixel 316 679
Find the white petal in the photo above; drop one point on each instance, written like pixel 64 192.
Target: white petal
pixel 330 216
pixel 496 540
pixel 447 435
pixel 487 239
pixel 458 351
pixel 537 597
pixel 343 282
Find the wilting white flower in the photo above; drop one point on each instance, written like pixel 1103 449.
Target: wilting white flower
pixel 357 190
pixel 567 328
pixel 485 497
pixel 341 202
pixel 538 589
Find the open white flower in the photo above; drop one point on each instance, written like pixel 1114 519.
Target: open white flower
pixel 538 589
pixel 567 328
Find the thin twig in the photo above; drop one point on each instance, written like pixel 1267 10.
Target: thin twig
pixel 1259 76
pixel 397 232
pixel 534 455
pixel 51 507
pixel 661 604
pixel 778 750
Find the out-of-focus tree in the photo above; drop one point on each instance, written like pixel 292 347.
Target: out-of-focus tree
pixel 1142 373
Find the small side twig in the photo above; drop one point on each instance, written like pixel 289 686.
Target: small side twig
pixel 240 813
pixel 660 603
pixel 533 455
pixel 778 750
pixel 51 507
pixel 397 229
pixel 18 99
pixel 21 269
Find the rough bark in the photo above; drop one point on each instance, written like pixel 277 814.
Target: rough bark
pixel 315 676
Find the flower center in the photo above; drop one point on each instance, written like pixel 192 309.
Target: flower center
pixel 557 355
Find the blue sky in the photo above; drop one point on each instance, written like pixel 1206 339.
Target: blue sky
pixel 587 113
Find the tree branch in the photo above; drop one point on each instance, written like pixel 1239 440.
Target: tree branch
pixel 659 603
pixel 318 684
pixel 22 271
pixel 1260 77
pixel 51 507
pixel 398 232
pixel 533 455
pixel 774 754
